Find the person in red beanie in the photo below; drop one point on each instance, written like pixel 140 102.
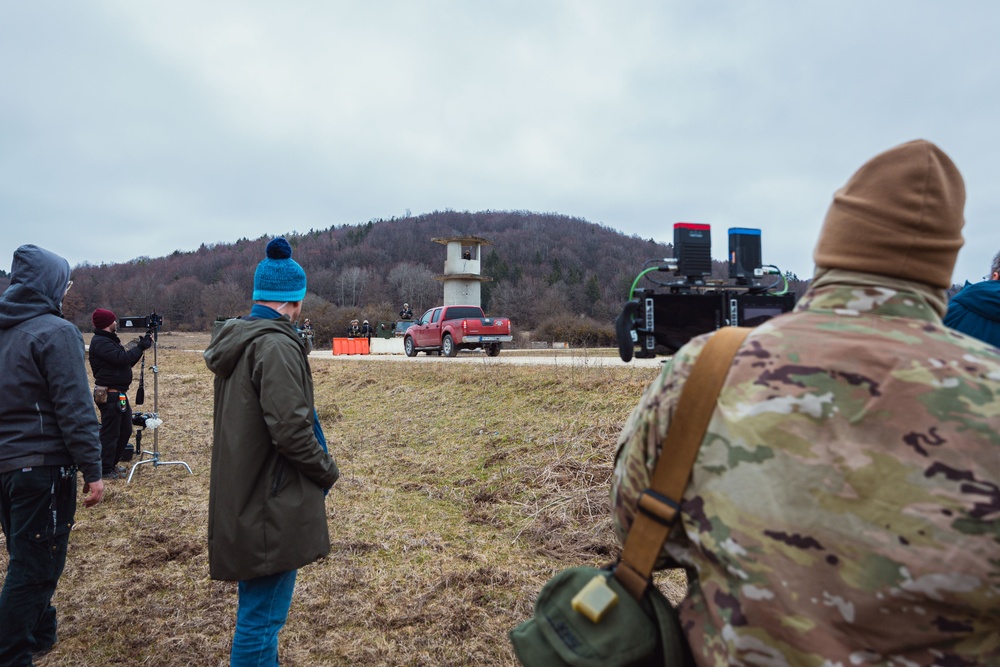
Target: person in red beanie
pixel 112 364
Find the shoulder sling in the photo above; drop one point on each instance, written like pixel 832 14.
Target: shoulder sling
pixel 658 506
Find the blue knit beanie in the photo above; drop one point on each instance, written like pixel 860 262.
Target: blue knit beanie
pixel 279 277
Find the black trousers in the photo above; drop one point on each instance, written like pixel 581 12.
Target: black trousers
pixel 37 506
pixel 116 429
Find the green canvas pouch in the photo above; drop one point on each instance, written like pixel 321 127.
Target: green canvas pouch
pixel 630 634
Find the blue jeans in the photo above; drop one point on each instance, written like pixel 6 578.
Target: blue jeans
pixel 37 507
pixel 260 615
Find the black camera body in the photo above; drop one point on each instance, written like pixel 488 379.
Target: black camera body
pixel 663 322
pixel 150 323
pixel 661 319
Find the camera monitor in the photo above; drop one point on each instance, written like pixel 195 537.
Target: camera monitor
pixel 671 320
pixel 665 322
pixel 755 309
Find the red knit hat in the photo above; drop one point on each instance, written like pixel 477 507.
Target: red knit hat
pixel 102 318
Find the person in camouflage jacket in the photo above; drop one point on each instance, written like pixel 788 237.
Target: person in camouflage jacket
pixel 844 508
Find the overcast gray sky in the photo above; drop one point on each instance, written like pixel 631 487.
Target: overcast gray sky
pixel 139 128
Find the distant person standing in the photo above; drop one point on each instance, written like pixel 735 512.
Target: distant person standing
pixel 354 331
pixel 406 313
pixel 366 330
pixel 308 334
pixel 47 432
pixel 976 309
pixel 270 466
pixel 112 365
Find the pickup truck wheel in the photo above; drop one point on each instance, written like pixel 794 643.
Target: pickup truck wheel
pixel 411 350
pixel 493 349
pixel 448 348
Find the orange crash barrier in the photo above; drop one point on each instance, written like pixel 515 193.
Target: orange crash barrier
pixel 350 346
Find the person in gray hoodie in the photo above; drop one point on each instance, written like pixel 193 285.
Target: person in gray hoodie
pixel 48 431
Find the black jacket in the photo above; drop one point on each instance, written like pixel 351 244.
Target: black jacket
pixel 110 362
pixel 46 410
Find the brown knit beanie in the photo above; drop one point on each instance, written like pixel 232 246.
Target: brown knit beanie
pixel 900 215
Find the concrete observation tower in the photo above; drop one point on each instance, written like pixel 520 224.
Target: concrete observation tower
pixel 461 278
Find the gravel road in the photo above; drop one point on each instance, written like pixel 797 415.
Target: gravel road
pixel 561 358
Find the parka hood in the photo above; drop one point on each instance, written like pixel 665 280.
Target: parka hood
pixel 38 280
pixel 232 339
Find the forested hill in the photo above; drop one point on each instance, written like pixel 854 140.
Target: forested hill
pixel 543 266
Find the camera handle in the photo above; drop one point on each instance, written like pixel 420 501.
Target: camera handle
pixel 624 329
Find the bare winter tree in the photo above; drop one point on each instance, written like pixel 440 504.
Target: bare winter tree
pixel 351 283
pixel 324 284
pixel 224 300
pixel 140 296
pixel 428 292
pixel 184 303
pixel 415 285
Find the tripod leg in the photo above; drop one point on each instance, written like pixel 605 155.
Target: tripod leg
pixel 136 467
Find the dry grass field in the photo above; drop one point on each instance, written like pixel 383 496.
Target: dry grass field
pixel 463 488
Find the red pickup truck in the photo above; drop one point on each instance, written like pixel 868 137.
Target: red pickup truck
pixel 448 329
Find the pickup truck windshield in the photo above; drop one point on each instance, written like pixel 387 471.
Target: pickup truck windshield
pixel 463 313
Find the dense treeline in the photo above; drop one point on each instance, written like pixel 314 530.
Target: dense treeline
pixel 547 271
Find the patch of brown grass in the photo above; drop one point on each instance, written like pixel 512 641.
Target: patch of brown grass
pixel 463 489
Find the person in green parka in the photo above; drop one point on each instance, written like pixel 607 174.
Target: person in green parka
pixel 271 468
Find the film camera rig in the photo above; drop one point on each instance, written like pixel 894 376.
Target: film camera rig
pixel 659 320
pixel 148 420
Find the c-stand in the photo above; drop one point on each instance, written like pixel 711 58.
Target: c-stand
pixel 152 324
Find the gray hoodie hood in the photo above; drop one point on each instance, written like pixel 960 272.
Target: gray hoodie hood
pixel 47 413
pixel 38 280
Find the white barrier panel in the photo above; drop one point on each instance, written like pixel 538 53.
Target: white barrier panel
pixel 387 346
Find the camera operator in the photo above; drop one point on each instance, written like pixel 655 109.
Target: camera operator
pixel 112 365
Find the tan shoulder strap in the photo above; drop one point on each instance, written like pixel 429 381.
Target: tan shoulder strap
pixel 658 506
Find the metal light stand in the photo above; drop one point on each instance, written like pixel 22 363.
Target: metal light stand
pixel 155 454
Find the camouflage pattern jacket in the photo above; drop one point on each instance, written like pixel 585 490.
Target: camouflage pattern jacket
pixel 845 505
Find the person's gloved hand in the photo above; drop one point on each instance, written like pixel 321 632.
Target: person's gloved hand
pixel 146 342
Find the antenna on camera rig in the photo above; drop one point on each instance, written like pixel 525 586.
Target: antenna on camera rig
pixel 142 420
